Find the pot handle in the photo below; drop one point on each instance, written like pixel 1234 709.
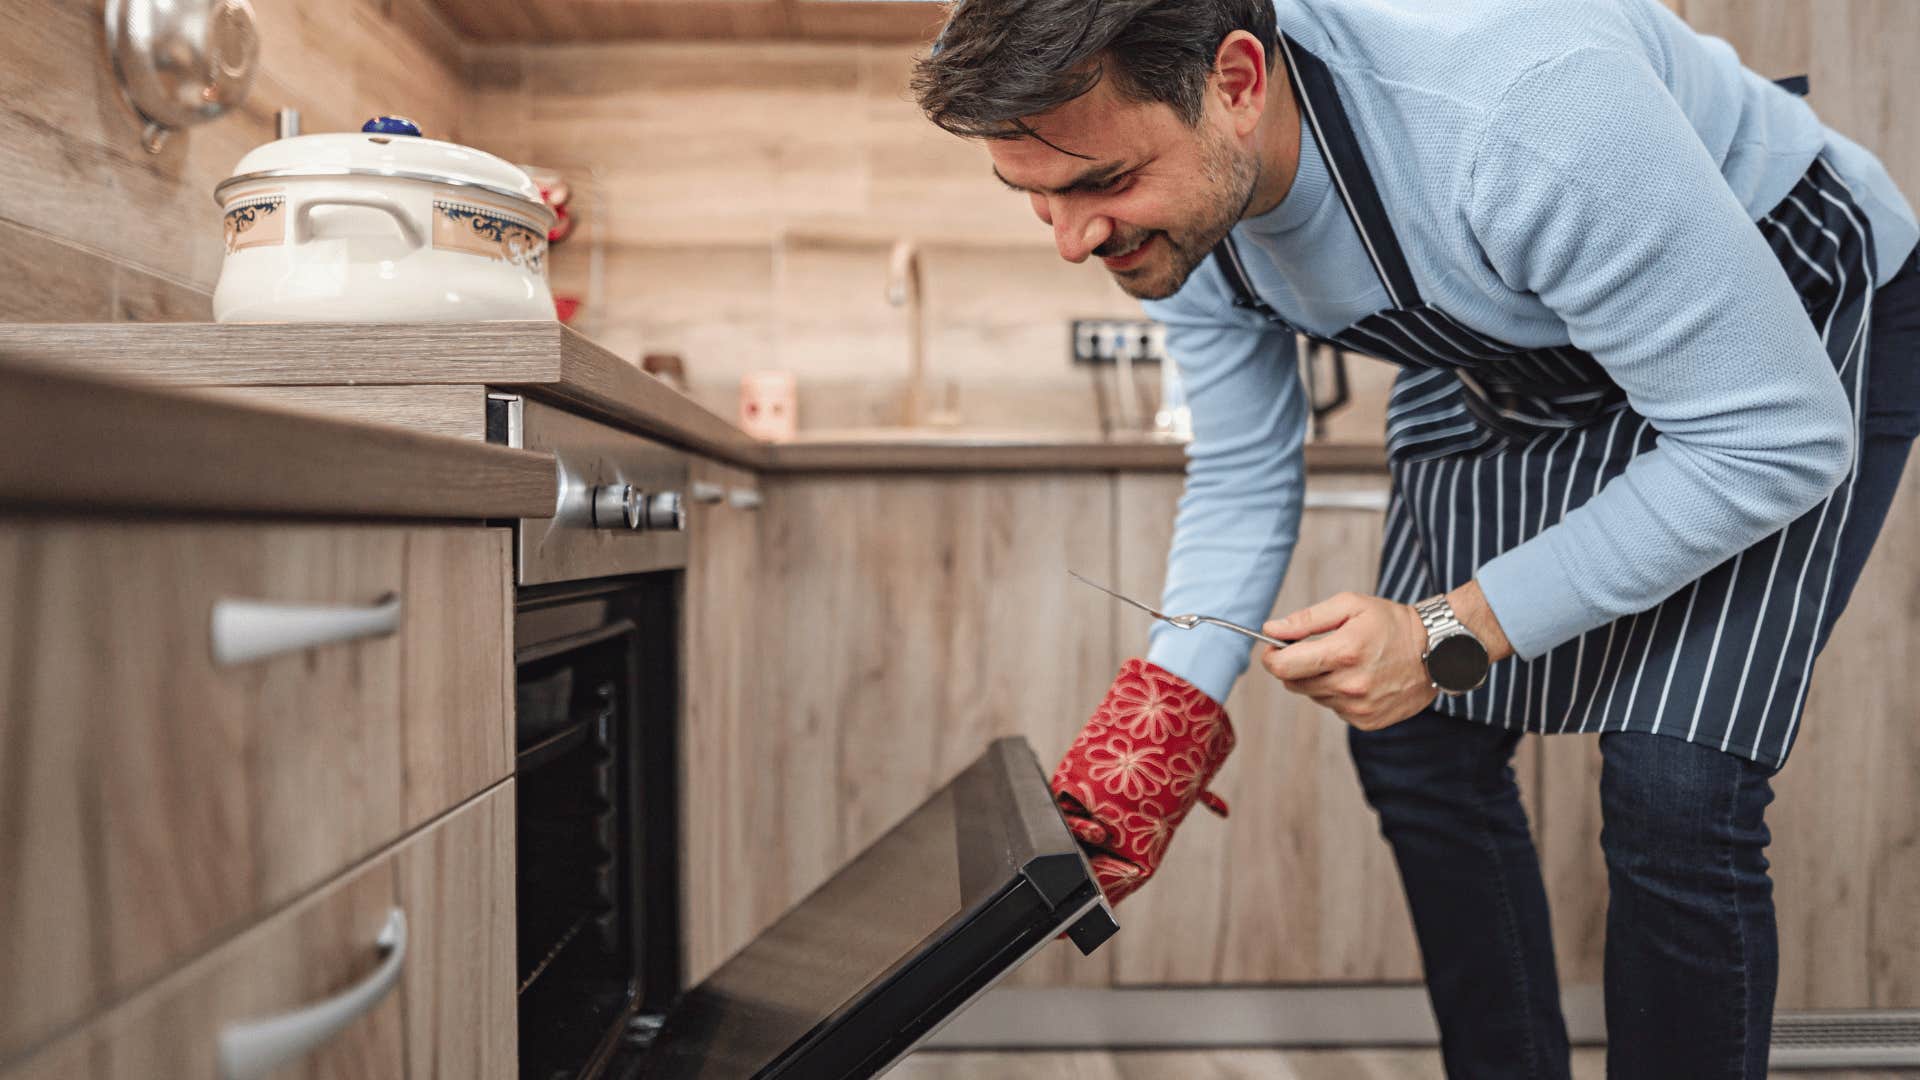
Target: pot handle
pixel 387 204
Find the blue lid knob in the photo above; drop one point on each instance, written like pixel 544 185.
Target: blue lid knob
pixel 391 125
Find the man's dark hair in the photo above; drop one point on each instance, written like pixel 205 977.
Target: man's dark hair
pixel 1000 60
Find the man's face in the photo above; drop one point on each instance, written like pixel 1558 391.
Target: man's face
pixel 1151 197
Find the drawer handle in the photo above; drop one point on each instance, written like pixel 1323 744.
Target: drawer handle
pixel 254 1048
pixel 1364 499
pixel 705 491
pixel 743 499
pixel 246 630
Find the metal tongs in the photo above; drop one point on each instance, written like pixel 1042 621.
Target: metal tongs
pixel 1185 622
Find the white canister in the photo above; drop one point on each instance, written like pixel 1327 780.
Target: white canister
pixel 381 225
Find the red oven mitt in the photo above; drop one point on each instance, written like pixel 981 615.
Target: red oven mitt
pixel 1136 770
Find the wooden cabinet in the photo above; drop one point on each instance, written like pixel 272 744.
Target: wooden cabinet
pixel 906 621
pixel 723 800
pixel 455 880
pixel 450 1015
pixel 155 800
pixel 456 688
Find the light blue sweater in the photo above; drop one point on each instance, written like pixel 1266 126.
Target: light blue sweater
pixel 1558 171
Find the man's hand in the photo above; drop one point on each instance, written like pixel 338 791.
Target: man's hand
pixel 1367 668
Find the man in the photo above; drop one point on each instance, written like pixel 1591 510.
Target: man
pixel 1657 328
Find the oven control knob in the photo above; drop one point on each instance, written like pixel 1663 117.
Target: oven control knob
pixel 616 506
pixel 664 512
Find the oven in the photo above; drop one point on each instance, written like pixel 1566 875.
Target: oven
pixel 596 721
pixel 978 878
pixel 597 869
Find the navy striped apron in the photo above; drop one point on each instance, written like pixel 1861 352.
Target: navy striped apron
pixel 1489 444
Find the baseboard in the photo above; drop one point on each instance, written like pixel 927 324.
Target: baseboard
pixel 1069 1018
pixel 1023 1018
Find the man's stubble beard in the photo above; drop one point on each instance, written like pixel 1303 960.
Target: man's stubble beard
pixel 1231 179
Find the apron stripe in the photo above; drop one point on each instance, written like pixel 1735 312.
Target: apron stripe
pixel 1601 678
pixel 1500 544
pixel 1565 501
pixel 1713 654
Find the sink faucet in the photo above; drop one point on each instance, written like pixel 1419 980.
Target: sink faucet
pixel 903 290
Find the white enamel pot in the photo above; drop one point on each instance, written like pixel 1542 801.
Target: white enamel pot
pixel 381 225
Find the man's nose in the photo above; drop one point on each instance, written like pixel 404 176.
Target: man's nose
pixel 1076 234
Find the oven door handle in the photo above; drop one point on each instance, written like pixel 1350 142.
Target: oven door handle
pixel 245 630
pixel 252 1049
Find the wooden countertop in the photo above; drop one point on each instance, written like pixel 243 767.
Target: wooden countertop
pixel 543 359
pixel 98 445
pixel 547 360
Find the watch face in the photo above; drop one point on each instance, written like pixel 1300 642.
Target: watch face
pixel 1458 663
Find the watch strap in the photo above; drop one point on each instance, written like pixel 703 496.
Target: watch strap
pixel 1436 613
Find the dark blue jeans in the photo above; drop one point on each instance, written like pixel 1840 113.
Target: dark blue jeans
pixel 1692 953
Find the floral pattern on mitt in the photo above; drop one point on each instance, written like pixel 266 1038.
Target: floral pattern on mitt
pixel 1137 769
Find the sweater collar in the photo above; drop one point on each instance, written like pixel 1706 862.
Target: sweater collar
pixel 1312 186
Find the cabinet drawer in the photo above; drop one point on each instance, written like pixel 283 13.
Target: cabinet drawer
pixel 154 799
pixel 441 1005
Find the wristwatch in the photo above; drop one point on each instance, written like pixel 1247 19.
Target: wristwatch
pixel 1456 660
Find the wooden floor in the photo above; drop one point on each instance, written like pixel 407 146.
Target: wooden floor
pixel 1242 1065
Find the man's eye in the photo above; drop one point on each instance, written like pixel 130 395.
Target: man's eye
pixel 1115 185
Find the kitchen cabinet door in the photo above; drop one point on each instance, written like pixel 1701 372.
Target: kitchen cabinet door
pixel 908 621
pixel 456 884
pixel 157 798
pixel 1297 885
pixel 725 802
pixel 324 946
pixel 457 685
pixel 443 1008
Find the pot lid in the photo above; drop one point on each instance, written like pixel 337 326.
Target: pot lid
pixel 386 146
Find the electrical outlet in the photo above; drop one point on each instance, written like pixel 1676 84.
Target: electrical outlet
pixel 1103 341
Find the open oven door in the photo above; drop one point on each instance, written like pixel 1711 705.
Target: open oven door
pixel 953 898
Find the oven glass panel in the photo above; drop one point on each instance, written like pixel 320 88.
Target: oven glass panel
pixel 575 781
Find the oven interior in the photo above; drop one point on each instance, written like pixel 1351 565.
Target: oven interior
pixel 597 846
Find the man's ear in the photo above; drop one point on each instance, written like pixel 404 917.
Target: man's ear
pixel 1240 79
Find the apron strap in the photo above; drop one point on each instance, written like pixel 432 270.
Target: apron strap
pixel 1227 255
pixel 1235 271
pixel 1319 100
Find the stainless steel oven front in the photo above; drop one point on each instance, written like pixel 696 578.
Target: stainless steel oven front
pixel 619 507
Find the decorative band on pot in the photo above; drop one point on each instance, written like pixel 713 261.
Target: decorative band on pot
pixel 489 231
pixel 256 220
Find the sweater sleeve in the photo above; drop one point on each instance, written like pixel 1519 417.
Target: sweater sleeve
pixel 1591 190
pixel 1239 515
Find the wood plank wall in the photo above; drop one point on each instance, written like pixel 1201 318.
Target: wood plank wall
pixel 95 229
pixel 741 202
pixel 737 198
